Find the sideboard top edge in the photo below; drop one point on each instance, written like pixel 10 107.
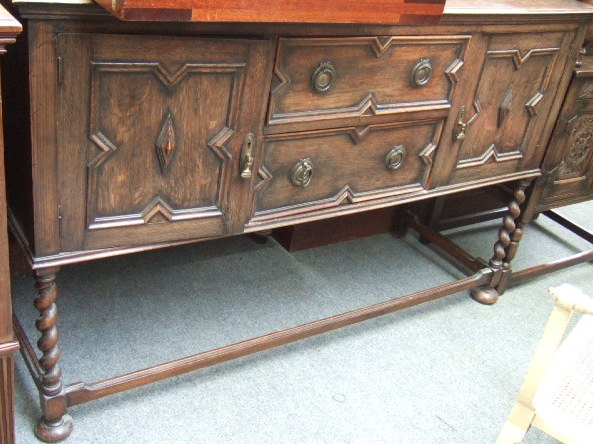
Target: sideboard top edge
pixel 455 11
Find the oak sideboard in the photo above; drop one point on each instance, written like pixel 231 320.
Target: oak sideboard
pixel 171 127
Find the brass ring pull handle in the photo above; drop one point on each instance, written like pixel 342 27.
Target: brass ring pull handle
pixel 395 158
pixel 302 173
pixel 422 72
pixel 323 78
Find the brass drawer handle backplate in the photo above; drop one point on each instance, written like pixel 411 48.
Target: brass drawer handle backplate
pixel 323 78
pixel 460 126
pixel 422 72
pixel 302 173
pixel 247 156
pixel 395 158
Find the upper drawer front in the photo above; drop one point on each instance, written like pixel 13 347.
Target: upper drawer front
pixel 327 79
pixel 308 172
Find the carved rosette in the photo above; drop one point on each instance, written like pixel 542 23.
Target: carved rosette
pixel 580 148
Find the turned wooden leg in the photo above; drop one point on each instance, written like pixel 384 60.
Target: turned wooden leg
pixel 261 237
pixel 55 425
pixel 505 248
pixel 434 216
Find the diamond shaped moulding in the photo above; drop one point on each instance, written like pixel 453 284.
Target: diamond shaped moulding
pixel 166 144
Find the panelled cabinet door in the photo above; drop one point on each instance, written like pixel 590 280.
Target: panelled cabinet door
pixel 150 139
pixel 497 133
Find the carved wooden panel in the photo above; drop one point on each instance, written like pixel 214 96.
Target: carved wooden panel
pixel 163 131
pixel 159 163
pixel 568 165
pixel 576 162
pixel 513 94
pixel 370 76
pixel 350 166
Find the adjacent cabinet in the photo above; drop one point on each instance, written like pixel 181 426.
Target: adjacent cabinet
pixel 138 135
pixel 9 29
pixel 568 165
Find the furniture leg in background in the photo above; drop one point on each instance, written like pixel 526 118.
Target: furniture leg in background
pixel 9 28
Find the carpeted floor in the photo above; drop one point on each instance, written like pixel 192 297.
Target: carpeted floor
pixel 447 371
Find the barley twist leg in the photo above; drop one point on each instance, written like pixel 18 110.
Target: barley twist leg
pixel 505 248
pixel 55 425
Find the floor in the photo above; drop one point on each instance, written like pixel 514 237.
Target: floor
pixel 446 371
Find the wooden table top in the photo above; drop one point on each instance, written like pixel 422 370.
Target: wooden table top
pixel 306 11
pixel 326 11
pixel 272 11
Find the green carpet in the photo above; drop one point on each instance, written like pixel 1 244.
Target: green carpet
pixel 447 371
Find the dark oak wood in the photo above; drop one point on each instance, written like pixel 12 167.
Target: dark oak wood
pixel 568 165
pixel 567 178
pixel 505 248
pixel 143 135
pixel 505 115
pixel 373 77
pixel 463 209
pixel 461 258
pixel 54 425
pixel 340 229
pixel 521 276
pixel 9 28
pixel 338 157
pixel 576 229
pixel 130 194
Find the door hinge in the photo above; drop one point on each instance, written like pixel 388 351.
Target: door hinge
pixel 60 221
pixel 60 65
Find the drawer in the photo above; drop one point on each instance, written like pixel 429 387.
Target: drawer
pixel 306 172
pixel 363 77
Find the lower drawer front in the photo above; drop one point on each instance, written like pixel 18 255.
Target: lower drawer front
pixel 315 171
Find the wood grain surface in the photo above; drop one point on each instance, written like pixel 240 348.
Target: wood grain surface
pixel 288 11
